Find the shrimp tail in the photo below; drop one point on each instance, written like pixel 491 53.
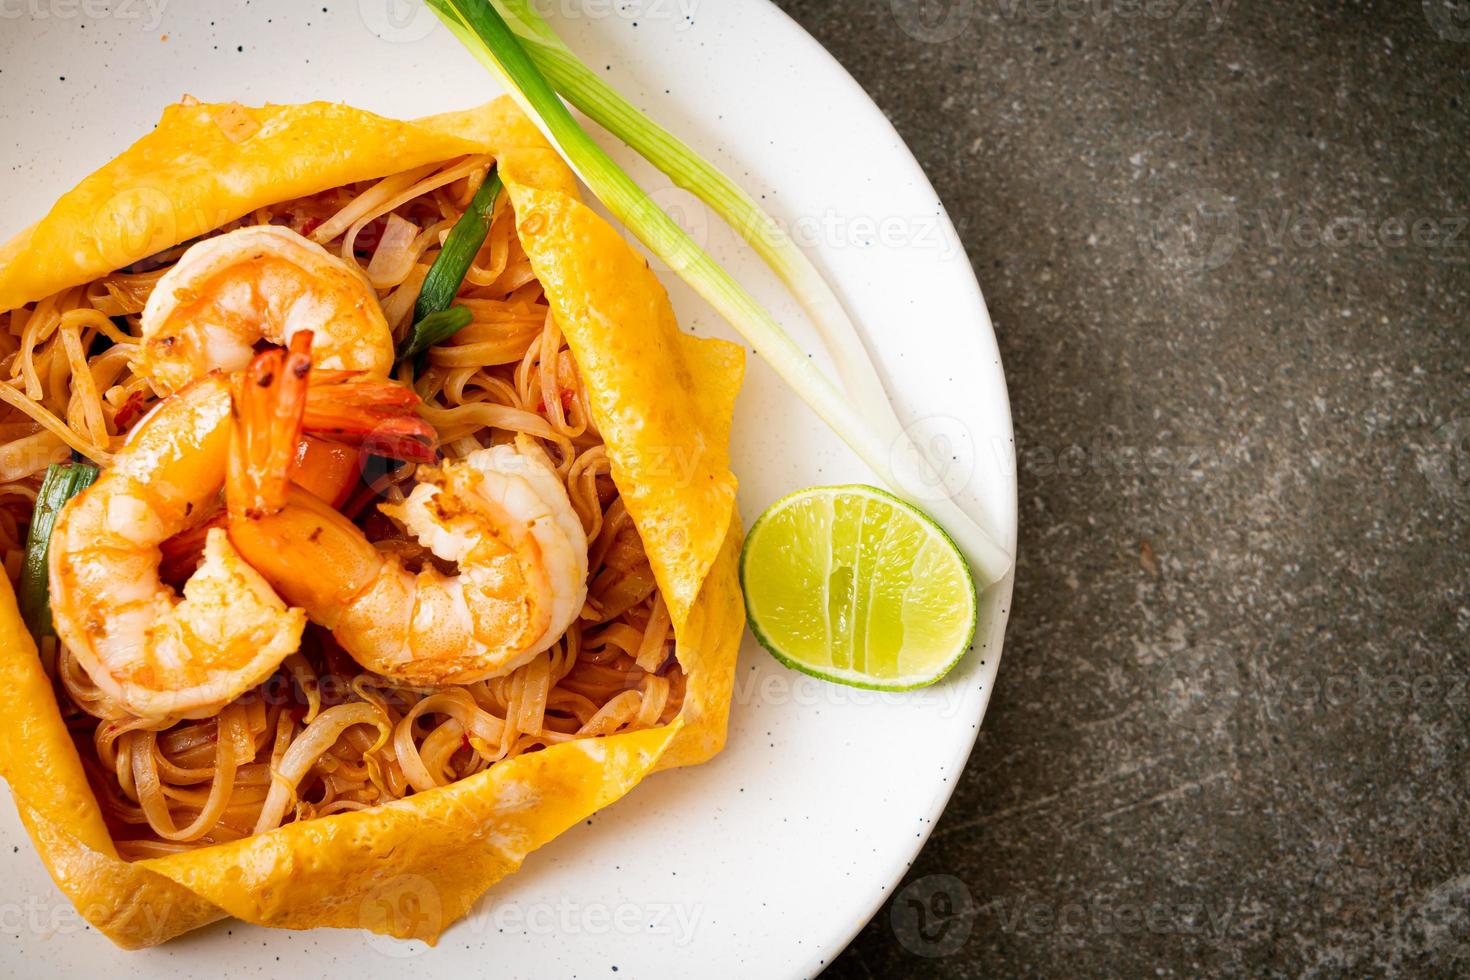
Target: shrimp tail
pixel 376 415
pixel 280 398
pixel 270 407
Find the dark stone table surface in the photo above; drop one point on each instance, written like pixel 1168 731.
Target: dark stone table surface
pixel 1227 249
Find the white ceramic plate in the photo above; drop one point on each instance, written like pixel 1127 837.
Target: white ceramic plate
pixel 766 861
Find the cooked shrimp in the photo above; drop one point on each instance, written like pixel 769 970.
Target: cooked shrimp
pixel 166 656
pixel 500 515
pixel 348 417
pixel 228 293
pixel 159 654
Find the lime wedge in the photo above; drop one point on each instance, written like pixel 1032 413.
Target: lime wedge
pixel 853 585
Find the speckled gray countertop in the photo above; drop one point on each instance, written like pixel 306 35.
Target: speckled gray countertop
pixel 1227 250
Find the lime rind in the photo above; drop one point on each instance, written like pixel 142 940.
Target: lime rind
pixel 849 676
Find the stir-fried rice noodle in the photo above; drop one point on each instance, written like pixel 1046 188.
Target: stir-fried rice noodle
pixel 323 736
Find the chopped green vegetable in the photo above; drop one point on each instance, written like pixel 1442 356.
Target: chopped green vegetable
pixel 874 435
pixel 431 325
pixel 435 328
pixel 63 481
pixel 461 245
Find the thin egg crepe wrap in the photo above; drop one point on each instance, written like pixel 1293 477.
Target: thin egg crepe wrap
pixel 661 399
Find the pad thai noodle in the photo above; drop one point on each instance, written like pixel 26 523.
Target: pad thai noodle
pixel 341 722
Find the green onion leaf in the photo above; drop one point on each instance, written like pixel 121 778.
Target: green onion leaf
pixel 436 328
pixel 460 247
pixel 433 320
pixel 63 481
pixel 876 437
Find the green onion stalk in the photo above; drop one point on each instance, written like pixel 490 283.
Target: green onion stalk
pixel 604 105
pixel 434 319
pixel 62 482
pixel 873 432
